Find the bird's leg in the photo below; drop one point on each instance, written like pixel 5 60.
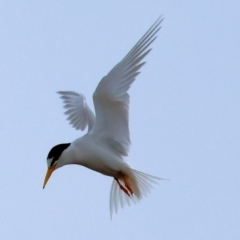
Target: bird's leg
pixel 122 187
pixel 128 187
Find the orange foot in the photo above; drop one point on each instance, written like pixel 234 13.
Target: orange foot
pixel 128 187
pixel 125 189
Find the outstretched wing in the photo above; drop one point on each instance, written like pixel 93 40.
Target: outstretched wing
pixel 79 114
pixel 111 100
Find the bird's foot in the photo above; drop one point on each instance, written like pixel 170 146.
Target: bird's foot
pixel 126 190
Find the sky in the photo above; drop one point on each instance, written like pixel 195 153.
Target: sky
pixel 184 118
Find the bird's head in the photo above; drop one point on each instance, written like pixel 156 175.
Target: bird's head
pixel 55 160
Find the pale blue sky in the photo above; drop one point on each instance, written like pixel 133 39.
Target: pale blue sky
pixel 184 118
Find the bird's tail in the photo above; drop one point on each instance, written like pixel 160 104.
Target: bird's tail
pixel 130 189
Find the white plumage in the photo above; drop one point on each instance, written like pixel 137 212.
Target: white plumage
pixel 102 149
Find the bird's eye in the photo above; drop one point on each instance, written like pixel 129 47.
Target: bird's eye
pixel 50 162
pixel 54 162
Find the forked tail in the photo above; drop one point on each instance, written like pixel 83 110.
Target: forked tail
pixel 130 189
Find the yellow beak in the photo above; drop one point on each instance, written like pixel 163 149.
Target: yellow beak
pixel 48 175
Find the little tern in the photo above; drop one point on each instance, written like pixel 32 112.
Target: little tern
pixel 107 141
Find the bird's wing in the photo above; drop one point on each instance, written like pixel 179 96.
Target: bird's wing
pixel 79 114
pixel 111 100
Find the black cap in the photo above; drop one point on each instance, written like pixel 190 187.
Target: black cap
pixel 56 152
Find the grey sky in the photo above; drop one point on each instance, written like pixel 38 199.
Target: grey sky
pixel 184 118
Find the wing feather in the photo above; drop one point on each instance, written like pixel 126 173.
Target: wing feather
pixel 111 100
pixel 79 114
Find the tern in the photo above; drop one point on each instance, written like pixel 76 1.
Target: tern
pixel 107 141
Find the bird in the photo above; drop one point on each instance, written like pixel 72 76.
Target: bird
pixel 107 140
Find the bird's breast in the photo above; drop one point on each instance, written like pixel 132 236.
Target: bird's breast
pixel 97 157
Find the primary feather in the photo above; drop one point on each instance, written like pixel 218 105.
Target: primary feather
pixel 111 100
pixel 79 114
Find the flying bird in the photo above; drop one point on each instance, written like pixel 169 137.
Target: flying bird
pixel 107 141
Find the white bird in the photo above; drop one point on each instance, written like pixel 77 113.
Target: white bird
pixel 107 141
